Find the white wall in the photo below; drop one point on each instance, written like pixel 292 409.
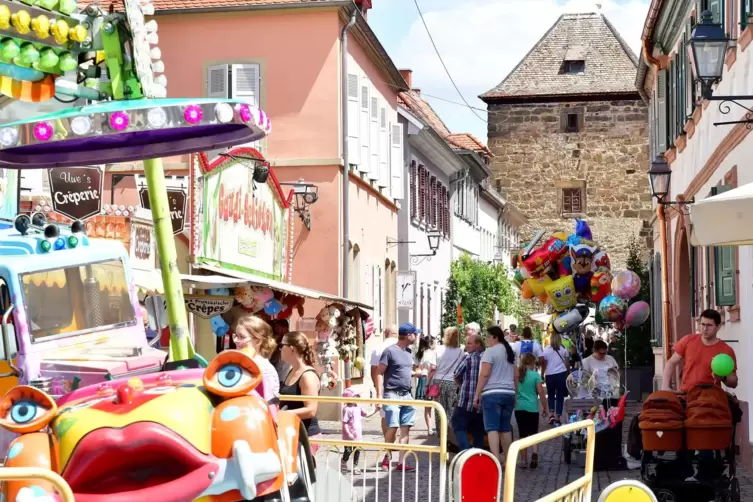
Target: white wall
pixel 465 238
pixel 689 163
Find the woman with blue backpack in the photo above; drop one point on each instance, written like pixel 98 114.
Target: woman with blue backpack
pixel 527 345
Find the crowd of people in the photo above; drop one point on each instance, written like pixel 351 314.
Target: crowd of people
pixel 497 375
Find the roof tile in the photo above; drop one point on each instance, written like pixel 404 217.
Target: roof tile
pixel 610 65
pixel 418 106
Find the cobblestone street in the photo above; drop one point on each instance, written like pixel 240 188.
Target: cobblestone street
pixel 423 484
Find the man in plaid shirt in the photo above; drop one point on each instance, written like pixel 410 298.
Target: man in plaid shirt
pixel 467 419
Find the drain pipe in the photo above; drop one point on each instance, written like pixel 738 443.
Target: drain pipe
pixel 346 157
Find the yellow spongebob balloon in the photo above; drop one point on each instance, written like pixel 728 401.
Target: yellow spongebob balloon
pixel 562 294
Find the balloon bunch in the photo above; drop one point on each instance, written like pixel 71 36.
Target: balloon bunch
pixel 614 307
pixel 569 272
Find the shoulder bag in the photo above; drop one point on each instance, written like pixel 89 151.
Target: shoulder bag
pixel 433 390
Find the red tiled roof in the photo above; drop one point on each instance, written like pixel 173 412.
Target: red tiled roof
pixel 413 101
pixel 468 141
pixel 418 106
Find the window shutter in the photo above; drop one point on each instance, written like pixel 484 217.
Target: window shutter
pixel 244 85
pixel 724 267
pixel 717 10
pixel 652 128
pixel 428 310
pixel 397 164
pixel 217 82
pixel 246 82
pixel 692 86
pixel 354 118
pixel 384 150
pixel 412 195
pixel 375 296
pixel 657 300
pixel 433 186
pixel 374 138
pixel 421 192
pixel 661 105
pixel 448 228
pixel 381 298
pixel 368 276
pixel 365 127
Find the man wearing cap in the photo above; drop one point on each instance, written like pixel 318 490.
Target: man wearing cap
pixel 390 338
pixel 396 366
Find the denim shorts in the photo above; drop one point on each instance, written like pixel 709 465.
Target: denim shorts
pixel 497 408
pixel 399 416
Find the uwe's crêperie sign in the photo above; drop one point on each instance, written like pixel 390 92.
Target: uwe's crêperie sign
pixel 76 191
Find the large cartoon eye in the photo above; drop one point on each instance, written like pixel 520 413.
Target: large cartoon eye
pixel 24 412
pixel 232 374
pixel 26 409
pixel 568 291
pixel 558 294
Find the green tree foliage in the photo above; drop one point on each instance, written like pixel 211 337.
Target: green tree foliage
pixel 639 352
pixel 479 287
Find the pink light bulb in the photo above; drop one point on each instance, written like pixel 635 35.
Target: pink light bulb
pixel 193 114
pixel 119 121
pixel 43 131
pixel 244 111
pixel 262 117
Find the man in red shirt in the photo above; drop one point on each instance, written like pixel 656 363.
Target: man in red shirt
pixel 697 351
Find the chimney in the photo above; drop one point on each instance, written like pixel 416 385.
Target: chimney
pixel 363 6
pixel 408 77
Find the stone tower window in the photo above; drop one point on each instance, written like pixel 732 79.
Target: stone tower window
pixel 571 198
pixel 571 120
pixel 577 67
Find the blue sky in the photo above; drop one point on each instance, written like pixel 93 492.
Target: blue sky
pixel 480 41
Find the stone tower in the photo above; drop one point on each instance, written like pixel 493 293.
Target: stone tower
pixel 569 133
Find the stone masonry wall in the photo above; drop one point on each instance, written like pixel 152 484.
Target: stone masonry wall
pixel 609 157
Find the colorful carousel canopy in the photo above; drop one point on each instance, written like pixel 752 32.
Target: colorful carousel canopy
pixel 123 131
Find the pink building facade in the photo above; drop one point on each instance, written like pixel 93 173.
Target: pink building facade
pixel 286 57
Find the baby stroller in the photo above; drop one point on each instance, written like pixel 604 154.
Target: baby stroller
pixel 691 463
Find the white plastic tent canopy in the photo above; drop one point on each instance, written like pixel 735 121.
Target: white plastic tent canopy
pixel 725 219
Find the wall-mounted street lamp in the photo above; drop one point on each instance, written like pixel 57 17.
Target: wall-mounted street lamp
pixel 304 194
pixel 659 176
pixel 433 238
pixel 707 49
pixel 260 166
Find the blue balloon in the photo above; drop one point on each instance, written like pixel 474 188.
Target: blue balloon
pixel 582 229
pixel 272 307
pixel 573 240
pixel 219 326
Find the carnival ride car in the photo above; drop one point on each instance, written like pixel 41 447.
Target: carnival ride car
pixel 174 436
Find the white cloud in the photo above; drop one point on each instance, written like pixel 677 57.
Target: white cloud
pixel 481 41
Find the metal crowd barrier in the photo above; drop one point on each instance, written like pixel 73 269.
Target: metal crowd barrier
pixel 369 484
pixel 576 491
